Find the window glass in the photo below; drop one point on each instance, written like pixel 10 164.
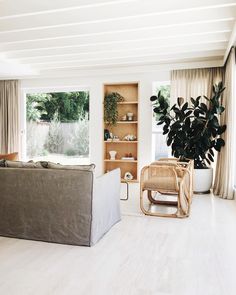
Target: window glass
pixel 159 146
pixel 57 127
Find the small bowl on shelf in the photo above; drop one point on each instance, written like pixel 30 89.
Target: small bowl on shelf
pixel 130 116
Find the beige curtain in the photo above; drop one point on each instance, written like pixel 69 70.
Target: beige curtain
pixel 9 116
pixel 224 178
pixel 194 82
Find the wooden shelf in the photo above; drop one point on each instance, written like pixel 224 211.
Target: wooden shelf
pixel 129 181
pixel 130 92
pixel 121 161
pixel 121 141
pixel 128 102
pixel 125 122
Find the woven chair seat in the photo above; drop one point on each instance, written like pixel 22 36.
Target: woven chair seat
pixel 160 183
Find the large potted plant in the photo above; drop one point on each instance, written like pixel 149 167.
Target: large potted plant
pixel 193 131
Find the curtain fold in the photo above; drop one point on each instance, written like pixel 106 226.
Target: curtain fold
pixel 224 178
pixel 194 82
pixel 9 116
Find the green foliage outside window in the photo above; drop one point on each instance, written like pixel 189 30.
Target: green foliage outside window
pixel 69 106
pixel 165 93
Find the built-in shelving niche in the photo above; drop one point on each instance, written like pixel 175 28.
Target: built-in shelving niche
pixel 130 92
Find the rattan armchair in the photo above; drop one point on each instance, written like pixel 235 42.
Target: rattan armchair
pixel 167 177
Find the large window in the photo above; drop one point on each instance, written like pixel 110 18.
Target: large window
pixel 57 127
pixel 159 146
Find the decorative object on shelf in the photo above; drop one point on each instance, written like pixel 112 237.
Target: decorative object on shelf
pixel 110 107
pixel 106 134
pixel 130 137
pixel 130 116
pixel 113 138
pixel 116 138
pixel 128 158
pixel 124 118
pixel 193 131
pixel 112 155
pixel 128 176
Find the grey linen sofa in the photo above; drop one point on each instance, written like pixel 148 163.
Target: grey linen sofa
pixel 65 206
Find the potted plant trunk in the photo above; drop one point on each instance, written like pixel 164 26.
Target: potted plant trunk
pixel 194 132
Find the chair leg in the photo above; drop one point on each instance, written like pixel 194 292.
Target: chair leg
pixel 146 212
pixel 181 212
pixel 141 203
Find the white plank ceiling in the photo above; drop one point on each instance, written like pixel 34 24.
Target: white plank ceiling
pixel 43 35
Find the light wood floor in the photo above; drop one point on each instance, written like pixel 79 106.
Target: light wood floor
pixel 140 255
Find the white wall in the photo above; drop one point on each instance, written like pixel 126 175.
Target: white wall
pixel 95 87
pixel 93 80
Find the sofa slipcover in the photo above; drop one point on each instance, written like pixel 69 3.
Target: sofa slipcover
pixel 62 206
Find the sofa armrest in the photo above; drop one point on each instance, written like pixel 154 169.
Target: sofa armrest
pixel 106 204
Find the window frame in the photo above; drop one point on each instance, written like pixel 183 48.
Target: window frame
pixel 22 112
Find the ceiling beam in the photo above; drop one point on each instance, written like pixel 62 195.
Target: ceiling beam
pixel 131 59
pixel 150 69
pixel 9 9
pixel 157 42
pixel 117 36
pixel 136 14
pixel 232 42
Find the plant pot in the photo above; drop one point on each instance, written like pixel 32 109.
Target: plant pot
pixel 202 180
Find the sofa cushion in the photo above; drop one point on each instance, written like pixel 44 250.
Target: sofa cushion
pixel 71 167
pixel 20 164
pixel 44 164
pixel 2 163
pixel 10 157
